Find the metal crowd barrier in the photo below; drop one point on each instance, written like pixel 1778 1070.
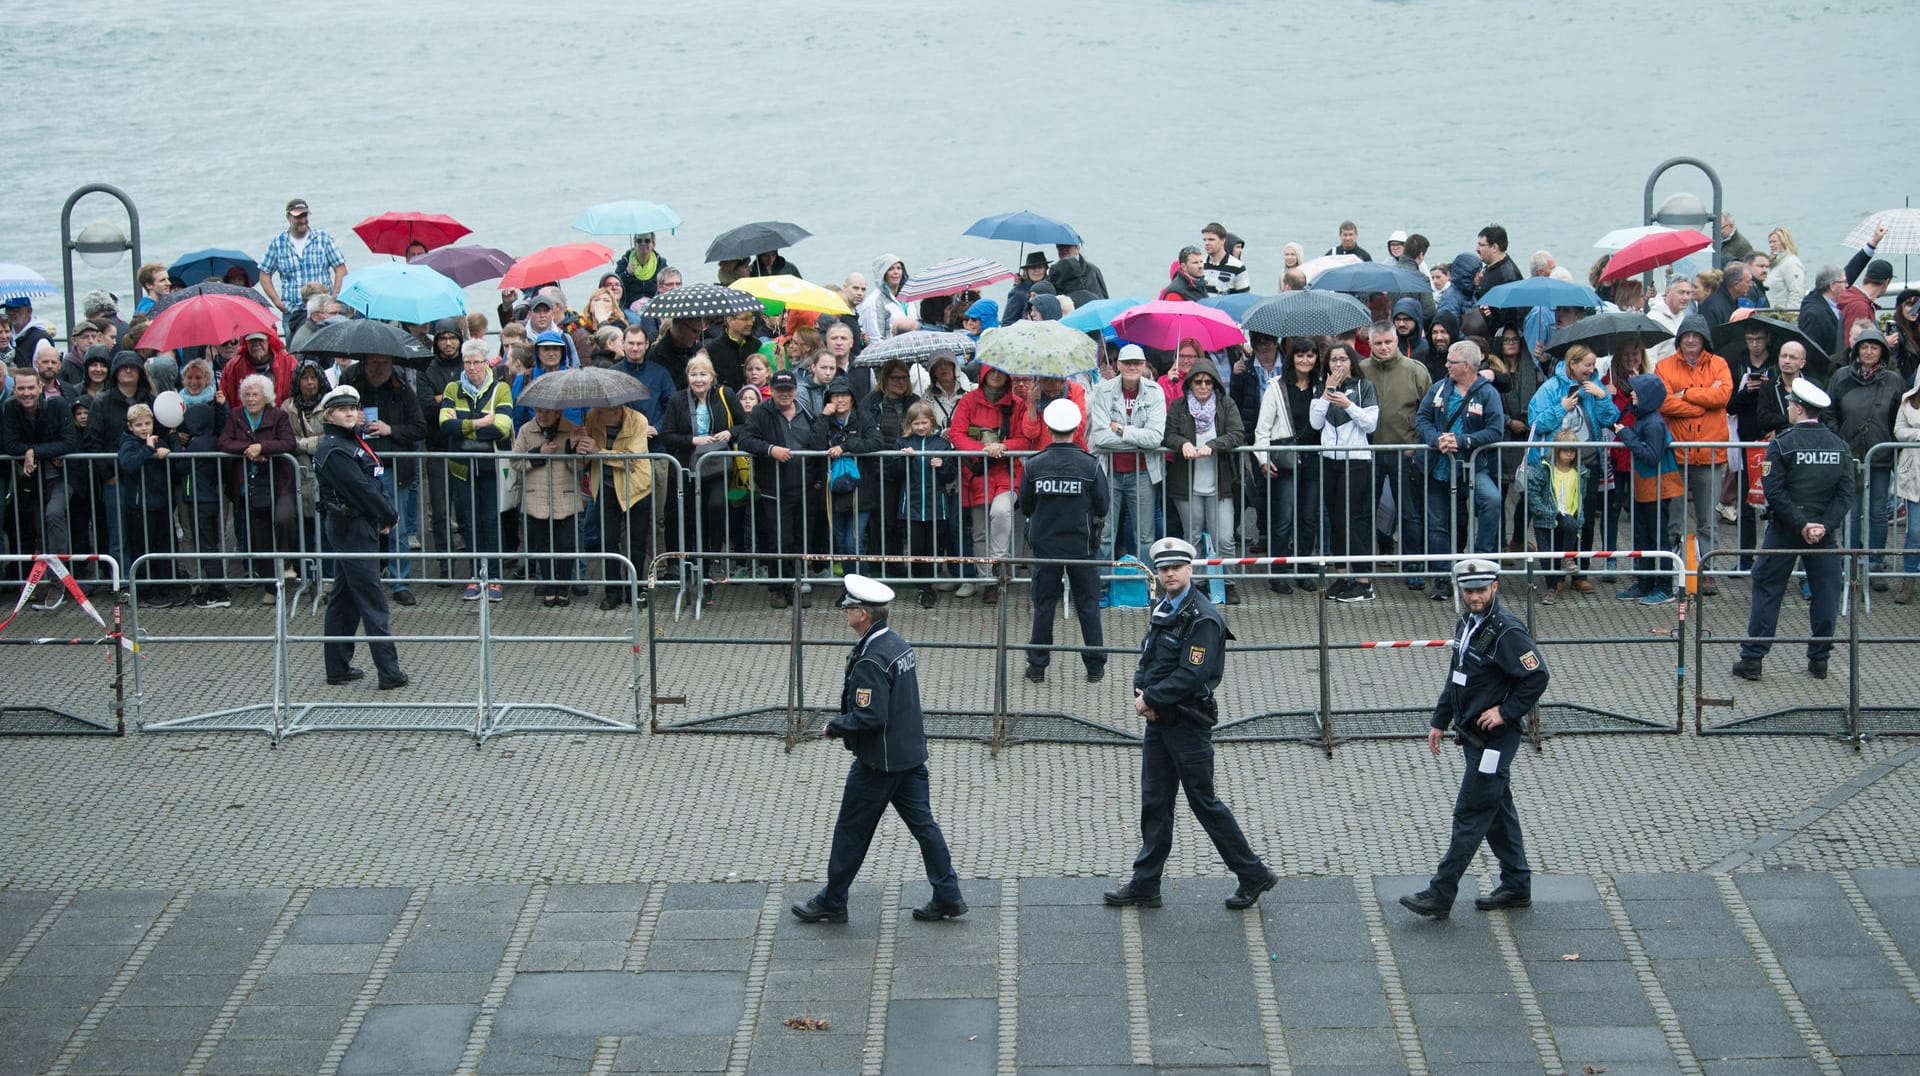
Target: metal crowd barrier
pixel 1788 702
pixel 20 715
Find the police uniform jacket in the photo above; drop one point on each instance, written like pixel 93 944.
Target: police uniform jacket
pixel 880 719
pixel 1064 496
pixel 1495 663
pixel 1182 659
pixel 1808 476
pixel 348 486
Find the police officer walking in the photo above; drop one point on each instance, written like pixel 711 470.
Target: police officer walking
pixel 1495 678
pixel 1063 494
pixel 1808 476
pixel 354 500
pixel 881 723
pixel 1181 662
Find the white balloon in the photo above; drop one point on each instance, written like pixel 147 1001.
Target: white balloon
pixel 169 409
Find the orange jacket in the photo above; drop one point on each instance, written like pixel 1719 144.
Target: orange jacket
pixel 1696 404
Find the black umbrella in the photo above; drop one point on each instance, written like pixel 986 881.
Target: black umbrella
pixel 756 238
pixel 1606 331
pixel 208 287
pixel 582 387
pixel 1730 343
pixel 701 301
pixel 364 336
pixel 1306 313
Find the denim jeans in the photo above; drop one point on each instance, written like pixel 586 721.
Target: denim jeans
pixel 1873 505
pixel 406 500
pixel 1133 496
pixel 1447 509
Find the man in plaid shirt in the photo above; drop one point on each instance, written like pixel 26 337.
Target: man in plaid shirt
pixel 299 256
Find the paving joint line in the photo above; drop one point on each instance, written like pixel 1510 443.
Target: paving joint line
pixel 1819 809
pixel 605 1049
pixel 1501 927
pixel 1399 1007
pixel 1272 1027
pixel 1007 1036
pixel 756 988
pixel 496 995
pixel 1877 930
pixel 1650 986
pixel 34 933
pixel 375 981
pixel 90 1023
pixel 230 1009
pixel 1133 953
pixel 874 1054
pixel 642 937
pixel 1776 974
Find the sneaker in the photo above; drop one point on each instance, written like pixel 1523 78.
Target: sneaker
pixel 1036 674
pixel 928 597
pixel 1550 596
pixel 404 596
pixel 166 600
pixel 966 590
pixel 496 592
pixel 1632 594
pixel 266 595
pixel 948 587
pixel 1279 586
pixel 1339 589
pixel 1879 585
pixel 1360 592
pixel 1441 593
pixel 51 598
pixel 471 594
pixel 1416 583
pixel 1903 594
pixel 1806 591
pixel 1308 583
pixel 1233 594
pixel 1656 597
pixel 1582 585
pixel 213 598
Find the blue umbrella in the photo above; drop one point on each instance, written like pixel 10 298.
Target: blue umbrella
pixel 1539 291
pixel 20 282
pixel 1236 305
pixel 630 217
pixel 399 291
pixel 1098 315
pixel 212 264
pixel 1024 227
pixel 1368 278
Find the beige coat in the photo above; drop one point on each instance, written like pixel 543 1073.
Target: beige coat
pixel 550 484
pixel 1906 428
pixel 632 478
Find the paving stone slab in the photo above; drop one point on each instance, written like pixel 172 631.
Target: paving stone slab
pixel 944 981
pixel 1333 977
pixel 1072 980
pixel 485 899
pixel 57 960
pixel 1786 885
pixel 1068 919
pixel 1696 945
pixel 672 1053
pixel 157 1022
pixel 288 1021
pixel 1683 915
pixel 1332 1009
pixel 831 1053
pixel 351 901
pixel 1343 1046
pixel 1465 1009
pixel 946 1035
pixel 338 929
pixel 1596 1008
pixel 169 989
pixel 1728 1006
pixel 584 926
pixel 1070 948
pixel 800 984
pixel 1769 1066
pixel 1072 1031
pixel 1580 976
pixel 304 989
pixel 35 991
pixel 228 904
pixel 1478 1045
pixel 1770 1040
pixel 1035 892
pixel 707 923
pixel 605 897
pixel 1891 884
pixel 556 1054
pixel 434 987
pixel 699 956
pixel 134 1057
pixel 117 904
pixel 89 930
pixel 688 896
pixel 323 959
pixel 1666 886
pixel 1899 1038
pixel 1538 944
pixel 410 1039
pixel 574 955
pixel 593 1003
pixel 422 955
pixel 1581 1046
pixel 1823 974
pixel 253 1056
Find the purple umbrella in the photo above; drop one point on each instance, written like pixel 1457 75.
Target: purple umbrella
pixel 466 266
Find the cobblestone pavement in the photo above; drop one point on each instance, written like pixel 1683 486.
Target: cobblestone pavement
pixel 606 901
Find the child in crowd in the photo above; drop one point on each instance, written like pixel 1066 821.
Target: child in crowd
pixel 926 502
pixel 1657 485
pixel 146 502
pixel 1556 495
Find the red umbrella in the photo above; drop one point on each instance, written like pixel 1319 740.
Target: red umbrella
pixel 556 263
pixel 1164 323
pixel 205 320
pixel 392 233
pixel 1653 251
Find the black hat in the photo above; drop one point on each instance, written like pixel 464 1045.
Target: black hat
pixel 1879 271
pixel 1035 260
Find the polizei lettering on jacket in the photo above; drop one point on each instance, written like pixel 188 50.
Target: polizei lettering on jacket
pixel 1816 457
pixel 1060 487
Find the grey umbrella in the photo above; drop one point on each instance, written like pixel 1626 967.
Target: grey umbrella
pixel 701 301
pixel 756 238
pixel 208 287
pixel 1306 313
pixel 364 336
pixel 918 346
pixel 1606 331
pixel 588 386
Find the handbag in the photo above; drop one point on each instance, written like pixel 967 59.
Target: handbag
pixel 741 481
pixel 1524 470
pixel 843 475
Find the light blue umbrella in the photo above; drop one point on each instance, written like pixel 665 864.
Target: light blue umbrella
pixel 1097 316
pixel 1236 305
pixel 629 217
pixel 1539 291
pixel 20 282
pixel 401 291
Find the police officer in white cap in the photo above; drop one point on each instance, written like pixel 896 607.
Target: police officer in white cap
pixel 353 498
pixel 1063 494
pixel 1494 680
pixel 1808 476
pixel 1181 662
pixel 881 723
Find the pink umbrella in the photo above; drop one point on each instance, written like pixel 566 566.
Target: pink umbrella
pixel 1327 261
pixel 1163 323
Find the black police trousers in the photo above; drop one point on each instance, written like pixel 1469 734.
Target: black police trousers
pixel 1086 608
pixel 1484 812
pixel 867 794
pixel 357 598
pixel 1176 755
pixel 1771 571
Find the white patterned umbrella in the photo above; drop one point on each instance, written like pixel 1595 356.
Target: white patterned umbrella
pixel 952 276
pixel 1903 232
pixel 1038 349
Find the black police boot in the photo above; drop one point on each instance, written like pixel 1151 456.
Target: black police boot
pixel 1130 894
pixel 1427 903
pixel 1503 898
pixel 1817 668
pixel 936 909
pixel 1249 892
pixel 1747 669
pixel 1036 674
pixel 812 911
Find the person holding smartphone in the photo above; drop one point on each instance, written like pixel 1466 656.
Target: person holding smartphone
pixel 1346 413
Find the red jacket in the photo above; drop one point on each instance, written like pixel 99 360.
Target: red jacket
pixel 977 423
pixel 1030 434
pixel 1854 306
pixel 241 366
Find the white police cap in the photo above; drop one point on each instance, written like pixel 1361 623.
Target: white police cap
pixel 1810 395
pixel 1171 551
pixel 1061 416
pixel 344 396
pixel 1475 574
pixel 864 591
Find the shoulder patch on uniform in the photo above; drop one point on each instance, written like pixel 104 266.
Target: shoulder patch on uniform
pixel 863 696
pixel 1530 660
pixel 1196 655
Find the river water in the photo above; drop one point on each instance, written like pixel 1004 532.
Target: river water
pixel 889 127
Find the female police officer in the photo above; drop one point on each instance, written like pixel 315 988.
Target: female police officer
pixel 358 514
